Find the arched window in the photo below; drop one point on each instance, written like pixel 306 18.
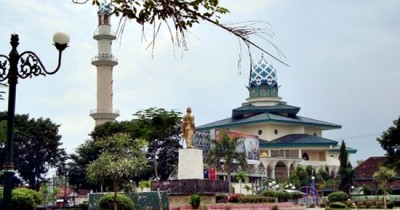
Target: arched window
pixel 305 156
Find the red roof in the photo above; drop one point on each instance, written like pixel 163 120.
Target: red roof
pixel 364 172
pixel 367 168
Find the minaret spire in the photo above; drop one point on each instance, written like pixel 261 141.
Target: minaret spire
pixel 104 62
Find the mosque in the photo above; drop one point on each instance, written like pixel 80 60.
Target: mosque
pixel 274 137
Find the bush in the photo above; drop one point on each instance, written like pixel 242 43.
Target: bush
pixel 195 201
pixel 296 195
pixel 283 196
pixel 23 198
pixel 268 193
pixel 339 196
pixel 221 198
pixel 390 205
pixel 234 198
pixel 337 205
pixel 255 199
pixel 369 204
pixel 106 202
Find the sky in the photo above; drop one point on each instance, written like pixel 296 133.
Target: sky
pixel 343 61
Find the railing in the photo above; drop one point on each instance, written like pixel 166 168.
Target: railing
pixel 94 111
pixel 104 57
pixel 103 31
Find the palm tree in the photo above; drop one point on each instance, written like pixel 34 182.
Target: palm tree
pixel 241 176
pixel 223 152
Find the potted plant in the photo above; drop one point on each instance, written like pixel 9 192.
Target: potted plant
pixel 195 201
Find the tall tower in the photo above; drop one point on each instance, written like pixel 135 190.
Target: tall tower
pixel 104 62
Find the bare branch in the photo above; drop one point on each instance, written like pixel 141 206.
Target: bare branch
pixel 79 1
pixel 243 33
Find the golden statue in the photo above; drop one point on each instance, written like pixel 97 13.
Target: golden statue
pixel 188 127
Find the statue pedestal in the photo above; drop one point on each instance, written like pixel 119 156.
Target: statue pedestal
pixel 190 165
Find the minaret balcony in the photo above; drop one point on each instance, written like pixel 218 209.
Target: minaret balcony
pixel 103 33
pixel 104 114
pixel 104 59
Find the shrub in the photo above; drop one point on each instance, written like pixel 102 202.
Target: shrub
pixel 195 200
pixel 234 198
pixel 106 202
pixel 339 196
pixel 296 195
pixel 283 196
pixel 368 204
pixel 221 198
pixel 337 205
pixel 23 198
pixel 390 205
pixel 255 199
pixel 268 193
pixel 396 202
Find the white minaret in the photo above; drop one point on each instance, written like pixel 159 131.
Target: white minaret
pixel 104 62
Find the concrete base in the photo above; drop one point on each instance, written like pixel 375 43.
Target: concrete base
pixel 190 164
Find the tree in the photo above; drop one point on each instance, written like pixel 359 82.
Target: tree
pixel 390 142
pixel 159 127
pixel 345 169
pixel 241 176
pixel 384 176
pixel 121 158
pixel 223 152
pixel 302 176
pixel 162 130
pixel 90 151
pixel 183 15
pixel 37 148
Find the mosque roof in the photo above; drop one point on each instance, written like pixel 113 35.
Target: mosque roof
pixel 263 73
pixel 348 149
pixel 250 109
pixel 267 117
pixel 298 140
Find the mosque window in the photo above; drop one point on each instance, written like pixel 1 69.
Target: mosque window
pixel 259 132
pixel 276 131
pixel 264 91
pixel 274 92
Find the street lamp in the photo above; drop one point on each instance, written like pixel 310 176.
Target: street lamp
pixel 351 192
pixel 313 188
pixel 29 65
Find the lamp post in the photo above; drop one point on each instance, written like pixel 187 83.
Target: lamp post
pixel 313 188
pixel 351 192
pixel 24 65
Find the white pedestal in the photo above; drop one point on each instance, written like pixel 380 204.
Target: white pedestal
pixel 190 165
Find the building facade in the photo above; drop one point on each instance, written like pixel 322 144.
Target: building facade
pixel 275 138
